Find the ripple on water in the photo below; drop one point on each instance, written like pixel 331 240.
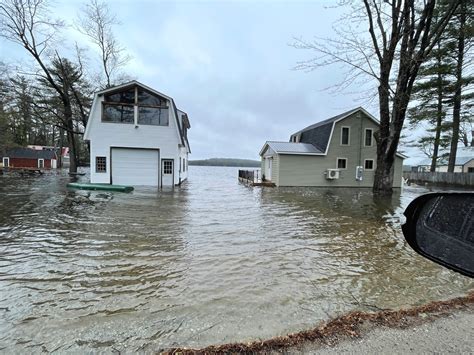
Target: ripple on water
pixel 212 261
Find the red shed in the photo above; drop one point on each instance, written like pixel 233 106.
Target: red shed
pixel 30 158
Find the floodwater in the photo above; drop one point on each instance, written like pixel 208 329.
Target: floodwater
pixel 210 262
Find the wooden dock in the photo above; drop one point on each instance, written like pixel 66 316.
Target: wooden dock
pixel 251 178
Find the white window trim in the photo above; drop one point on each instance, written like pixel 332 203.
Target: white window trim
pixel 39 163
pixel 104 171
pixel 348 136
pixel 373 165
pixel 3 160
pixel 337 161
pixel 371 137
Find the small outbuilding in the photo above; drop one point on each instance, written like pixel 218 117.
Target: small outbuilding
pixel 463 164
pixel 339 151
pixel 28 158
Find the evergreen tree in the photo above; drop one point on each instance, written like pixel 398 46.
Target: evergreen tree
pixel 460 37
pixel 442 100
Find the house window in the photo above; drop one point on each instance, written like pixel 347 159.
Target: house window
pixel 369 164
pixel 368 137
pixel 155 116
pixel 100 164
pixel 119 107
pixel 184 164
pixel 117 113
pixel 167 167
pixel 345 135
pixel 123 97
pixel 6 162
pixel 469 170
pixel 40 163
pixel 341 163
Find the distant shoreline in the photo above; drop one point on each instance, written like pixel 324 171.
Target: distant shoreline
pixel 229 162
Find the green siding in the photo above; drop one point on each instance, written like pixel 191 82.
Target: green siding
pixel 276 169
pixel 300 170
pixel 275 166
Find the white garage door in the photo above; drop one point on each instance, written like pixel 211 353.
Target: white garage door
pixel 135 166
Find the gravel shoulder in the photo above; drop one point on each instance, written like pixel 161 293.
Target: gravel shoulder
pixel 436 327
pixel 450 334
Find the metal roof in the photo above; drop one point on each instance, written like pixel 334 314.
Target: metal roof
pixel 444 161
pixel 28 153
pixel 294 148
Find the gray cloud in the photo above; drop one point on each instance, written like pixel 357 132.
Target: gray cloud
pixel 228 64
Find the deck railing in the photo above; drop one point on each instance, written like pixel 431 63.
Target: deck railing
pixel 248 175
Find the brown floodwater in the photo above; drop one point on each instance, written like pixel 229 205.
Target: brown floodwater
pixel 210 262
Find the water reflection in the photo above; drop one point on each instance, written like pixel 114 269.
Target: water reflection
pixel 213 261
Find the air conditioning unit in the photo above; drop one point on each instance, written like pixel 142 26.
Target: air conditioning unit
pixel 332 174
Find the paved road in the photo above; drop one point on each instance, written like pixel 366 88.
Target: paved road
pixel 451 335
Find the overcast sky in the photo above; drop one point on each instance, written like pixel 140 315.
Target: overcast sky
pixel 228 65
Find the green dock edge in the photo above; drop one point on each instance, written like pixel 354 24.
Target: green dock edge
pixel 103 187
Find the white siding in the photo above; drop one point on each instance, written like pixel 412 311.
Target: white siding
pixel 469 164
pixel 135 166
pixel 104 135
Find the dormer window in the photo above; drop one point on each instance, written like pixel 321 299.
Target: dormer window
pixel 119 107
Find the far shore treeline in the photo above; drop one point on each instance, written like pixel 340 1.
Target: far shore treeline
pixel 226 162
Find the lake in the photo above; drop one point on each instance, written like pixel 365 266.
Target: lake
pixel 209 262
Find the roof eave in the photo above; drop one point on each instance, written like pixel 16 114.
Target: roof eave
pixel 300 153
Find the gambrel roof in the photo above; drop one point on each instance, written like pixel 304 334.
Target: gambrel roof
pixel 133 83
pixel 319 134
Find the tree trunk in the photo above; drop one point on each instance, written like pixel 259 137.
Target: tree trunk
pixel 383 178
pixel 439 119
pixel 71 138
pixel 458 91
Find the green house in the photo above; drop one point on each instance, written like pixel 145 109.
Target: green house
pixel 339 151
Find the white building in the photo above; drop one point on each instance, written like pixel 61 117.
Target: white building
pixel 464 162
pixel 137 137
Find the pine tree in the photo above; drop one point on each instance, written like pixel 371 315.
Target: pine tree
pixel 442 99
pixel 460 39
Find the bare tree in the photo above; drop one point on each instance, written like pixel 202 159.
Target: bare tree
pixel 96 22
pixel 26 22
pixel 401 33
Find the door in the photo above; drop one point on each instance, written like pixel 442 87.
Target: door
pixel 167 169
pixel 268 170
pixel 40 163
pixel 6 162
pixel 134 167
